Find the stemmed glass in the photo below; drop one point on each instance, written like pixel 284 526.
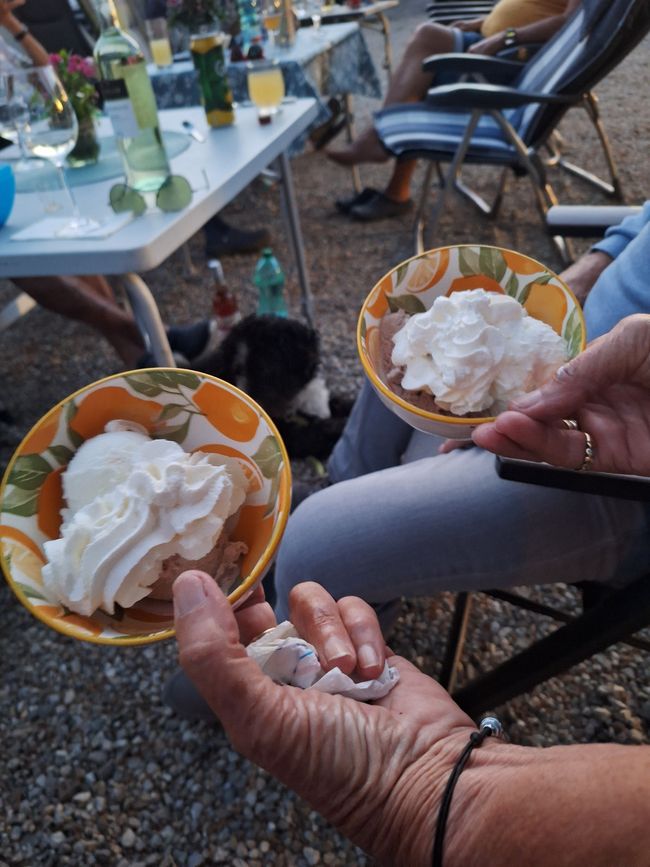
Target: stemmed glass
pixel 51 132
pixel 316 12
pixel 13 120
pixel 272 17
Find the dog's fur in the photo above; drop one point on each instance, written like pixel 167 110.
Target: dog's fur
pixel 276 361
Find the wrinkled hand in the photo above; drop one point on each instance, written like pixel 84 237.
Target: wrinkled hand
pixel 491 45
pixel 376 771
pixel 606 389
pixel 7 7
pixel 581 276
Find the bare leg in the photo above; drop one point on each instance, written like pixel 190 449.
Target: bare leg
pixel 399 186
pixel 408 84
pixel 89 300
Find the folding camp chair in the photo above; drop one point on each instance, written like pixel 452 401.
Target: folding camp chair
pixel 508 121
pixel 446 11
pixel 609 614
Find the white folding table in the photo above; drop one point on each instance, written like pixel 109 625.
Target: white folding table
pixel 229 159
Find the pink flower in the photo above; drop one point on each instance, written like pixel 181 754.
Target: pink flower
pixel 88 68
pixel 55 59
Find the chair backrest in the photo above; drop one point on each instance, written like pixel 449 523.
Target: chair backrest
pixel 594 40
pixel 52 22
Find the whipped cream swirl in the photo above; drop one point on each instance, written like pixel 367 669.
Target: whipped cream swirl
pixel 132 503
pixel 476 350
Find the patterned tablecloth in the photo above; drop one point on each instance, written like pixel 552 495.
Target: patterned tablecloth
pixel 320 64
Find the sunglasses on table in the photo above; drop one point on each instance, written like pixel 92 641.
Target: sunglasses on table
pixel 174 195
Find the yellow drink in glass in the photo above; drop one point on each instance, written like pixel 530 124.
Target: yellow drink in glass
pixel 266 88
pixel 161 52
pixel 272 20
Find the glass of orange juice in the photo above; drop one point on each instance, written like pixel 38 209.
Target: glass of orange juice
pixel 159 45
pixel 265 87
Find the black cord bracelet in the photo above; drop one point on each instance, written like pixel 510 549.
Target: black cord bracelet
pixel 488 727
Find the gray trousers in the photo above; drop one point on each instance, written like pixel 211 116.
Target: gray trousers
pixel 386 529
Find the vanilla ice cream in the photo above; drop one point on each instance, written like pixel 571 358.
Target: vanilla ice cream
pixel 133 502
pixel 475 351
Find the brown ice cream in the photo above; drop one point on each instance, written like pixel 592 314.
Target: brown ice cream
pixel 222 562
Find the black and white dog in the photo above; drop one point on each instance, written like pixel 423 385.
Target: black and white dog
pixel 276 361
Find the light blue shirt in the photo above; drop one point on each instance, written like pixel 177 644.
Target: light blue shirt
pixel 624 286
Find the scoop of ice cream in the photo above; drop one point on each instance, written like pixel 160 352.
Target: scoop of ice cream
pixel 158 501
pixel 476 350
pixel 96 468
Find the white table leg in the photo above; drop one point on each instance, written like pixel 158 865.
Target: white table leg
pixel 147 316
pixel 295 231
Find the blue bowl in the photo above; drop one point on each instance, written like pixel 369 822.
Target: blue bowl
pixel 7 192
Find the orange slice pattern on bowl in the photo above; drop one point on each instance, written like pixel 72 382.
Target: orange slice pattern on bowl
pixel 424 272
pixel 249 467
pixel 521 264
pixel 227 412
pixel 41 438
pixel 50 503
pixel 379 304
pixel 106 404
pixel 548 303
pixel 475 281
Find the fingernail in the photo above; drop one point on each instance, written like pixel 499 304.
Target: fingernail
pixel 367 656
pixel 188 595
pixel 335 649
pixel 527 401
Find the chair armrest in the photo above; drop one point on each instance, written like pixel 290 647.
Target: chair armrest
pixel 492 68
pixel 587 221
pixel 604 484
pixel 464 97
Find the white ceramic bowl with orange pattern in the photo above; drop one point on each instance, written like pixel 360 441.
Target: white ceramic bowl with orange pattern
pixel 201 413
pixel 414 285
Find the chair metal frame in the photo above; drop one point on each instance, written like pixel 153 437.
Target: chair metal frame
pixel 610 614
pixel 499 92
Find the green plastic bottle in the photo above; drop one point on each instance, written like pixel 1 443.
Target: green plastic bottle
pixel 269 279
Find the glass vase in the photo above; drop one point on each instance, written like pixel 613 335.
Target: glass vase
pixel 86 150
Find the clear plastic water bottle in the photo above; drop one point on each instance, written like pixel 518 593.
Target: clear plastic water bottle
pixel 269 279
pixel 250 23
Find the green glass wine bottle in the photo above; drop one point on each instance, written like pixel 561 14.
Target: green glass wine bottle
pixel 130 103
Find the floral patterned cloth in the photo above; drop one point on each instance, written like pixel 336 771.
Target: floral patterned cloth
pixel 335 60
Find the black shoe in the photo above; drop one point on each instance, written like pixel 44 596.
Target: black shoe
pixel 345 205
pixel 189 340
pixel 379 207
pixel 186 342
pixel 224 240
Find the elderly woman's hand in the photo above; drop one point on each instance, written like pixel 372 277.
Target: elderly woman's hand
pixel 606 390
pixel 376 771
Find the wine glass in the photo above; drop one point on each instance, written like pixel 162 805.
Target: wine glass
pixel 14 117
pixel 51 132
pixel 316 12
pixel 272 16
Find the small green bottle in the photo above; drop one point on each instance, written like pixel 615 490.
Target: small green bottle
pixel 269 279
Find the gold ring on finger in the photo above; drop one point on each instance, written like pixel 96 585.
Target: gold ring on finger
pixel 588 457
pixel 570 424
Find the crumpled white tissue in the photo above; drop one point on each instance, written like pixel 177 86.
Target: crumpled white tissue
pixel 289 659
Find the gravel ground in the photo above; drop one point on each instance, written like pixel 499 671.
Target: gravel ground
pixel 95 770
